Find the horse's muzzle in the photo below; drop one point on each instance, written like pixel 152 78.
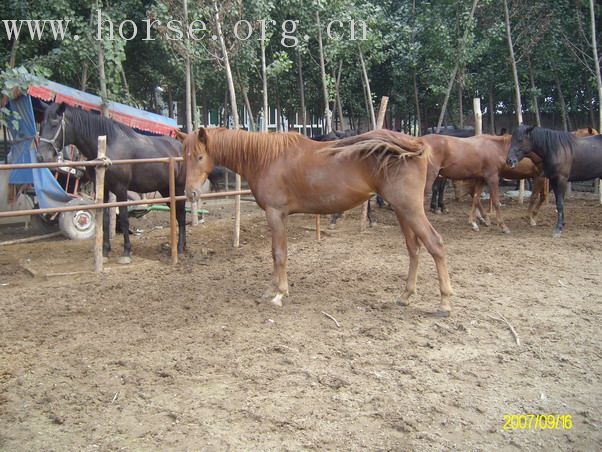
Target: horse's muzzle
pixel 511 163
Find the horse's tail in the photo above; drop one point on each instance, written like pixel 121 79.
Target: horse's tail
pixel 387 147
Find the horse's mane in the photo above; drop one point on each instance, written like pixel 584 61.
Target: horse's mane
pixel 92 124
pixel 386 146
pixel 551 141
pixel 253 150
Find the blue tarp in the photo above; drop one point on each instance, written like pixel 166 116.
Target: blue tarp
pixel 48 191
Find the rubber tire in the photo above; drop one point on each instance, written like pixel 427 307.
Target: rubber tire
pixel 67 221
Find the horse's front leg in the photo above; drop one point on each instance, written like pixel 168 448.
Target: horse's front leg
pixel 124 222
pixel 277 221
pixel 106 233
pixel 181 216
pixel 559 184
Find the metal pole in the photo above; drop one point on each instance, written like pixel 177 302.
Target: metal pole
pixel 99 197
pixel 172 211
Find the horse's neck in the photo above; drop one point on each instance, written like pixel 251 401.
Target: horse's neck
pixel 85 141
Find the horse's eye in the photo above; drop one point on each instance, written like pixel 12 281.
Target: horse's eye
pixel 200 158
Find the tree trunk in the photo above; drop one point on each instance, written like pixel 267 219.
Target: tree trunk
pixel 417 104
pixel 169 102
pixel 327 111
pixel 456 67
pixel 84 79
pixel 233 104
pixel 460 106
pixel 278 116
pixel 534 96
pixel 264 82
pixel 193 106
pixel 563 113
pixel 341 125
pixel 302 93
pixel 491 112
pixel 596 66
pixel 368 91
pixel 124 80
pixel 519 106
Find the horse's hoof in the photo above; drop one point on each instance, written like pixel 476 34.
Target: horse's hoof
pixel 124 260
pixel 475 227
pixel 402 302
pixel 438 211
pixel 505 230
pixel 105 259
pixel 556 234
pixel 443 312
pixel 532 222
pixel 277 300
pixel 332 226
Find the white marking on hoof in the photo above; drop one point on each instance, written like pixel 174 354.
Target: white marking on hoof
pixel 277 300
pixel 532 222
pixel 475 226
pixel 556 234
pixel 124 260
pixel 505 229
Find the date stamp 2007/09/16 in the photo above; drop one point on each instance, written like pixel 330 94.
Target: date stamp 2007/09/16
pixel 537 422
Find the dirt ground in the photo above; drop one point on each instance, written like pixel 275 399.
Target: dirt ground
pixel 157 357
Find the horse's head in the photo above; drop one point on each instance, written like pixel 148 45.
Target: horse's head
pixel 520 145
pixel 53 133
pixel 198 162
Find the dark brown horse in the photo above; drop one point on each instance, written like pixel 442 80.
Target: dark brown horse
pixel 565 158
pixel 289 173
pixel 482 158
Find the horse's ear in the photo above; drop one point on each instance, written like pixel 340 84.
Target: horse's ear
pixel 503 131
pixel 202 135
pixel 180 136
pixel 61 109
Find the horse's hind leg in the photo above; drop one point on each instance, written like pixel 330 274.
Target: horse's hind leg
pixel 277 221
pixel 494 192
pixel 441 202
pixel 413 246
pixel 333 220
pixel 408 205
pixel 433 242
pixel 537 199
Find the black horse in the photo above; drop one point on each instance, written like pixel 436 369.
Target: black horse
pixel 565 158
pixel 64 125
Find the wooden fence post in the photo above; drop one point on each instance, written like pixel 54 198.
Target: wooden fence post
pixel 172 211
pixel 98 199
pixel 382 110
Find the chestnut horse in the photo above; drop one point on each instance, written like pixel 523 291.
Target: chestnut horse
pixel 483 158
pixel 289 173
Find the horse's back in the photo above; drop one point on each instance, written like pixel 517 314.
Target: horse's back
pixel 587 158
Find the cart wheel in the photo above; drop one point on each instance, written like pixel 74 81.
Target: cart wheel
pixel 78 224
